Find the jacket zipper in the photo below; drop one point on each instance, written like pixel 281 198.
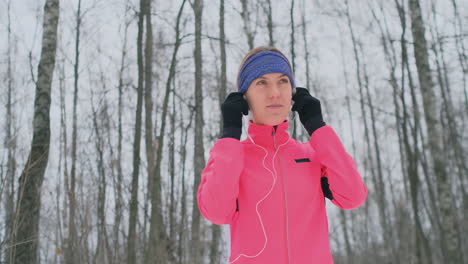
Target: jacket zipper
pixel 284 196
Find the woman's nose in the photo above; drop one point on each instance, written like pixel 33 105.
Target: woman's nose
pixel 274 91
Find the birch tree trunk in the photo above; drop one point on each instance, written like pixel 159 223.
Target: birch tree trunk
pixel 449 236
pixel 25 237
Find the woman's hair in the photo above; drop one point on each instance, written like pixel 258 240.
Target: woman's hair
pixel 258 50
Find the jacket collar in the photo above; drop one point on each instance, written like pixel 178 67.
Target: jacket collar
pixel 269 136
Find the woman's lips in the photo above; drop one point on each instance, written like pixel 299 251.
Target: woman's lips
pixel 275 106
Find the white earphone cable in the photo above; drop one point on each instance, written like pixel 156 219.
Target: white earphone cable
pixel 273 173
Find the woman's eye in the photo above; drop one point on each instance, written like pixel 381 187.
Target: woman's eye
pixel 261 82
pixel 284 80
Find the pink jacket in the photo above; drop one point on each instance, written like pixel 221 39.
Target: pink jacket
pixel 268 189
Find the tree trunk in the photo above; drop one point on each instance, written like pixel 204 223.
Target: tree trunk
pixel 25 237
pixel 376 175
pixel 222 91
pixel 154 194
pixel 199 150
pixel 100 255
pixel 184 215
pixel 245 14
pixel 160 246
pixel 408 152
pixel 172 174
pixel 306 45
pixel 343 214
pixel 62 214
pixel 131 244
pixel 451 130
pixel 222 84
pixel 72 253
pixel 411 153
pixel 461 50
pixel 270 26
pixel 118 182
pixel 10 145
pixel 293 58
pixel 449 241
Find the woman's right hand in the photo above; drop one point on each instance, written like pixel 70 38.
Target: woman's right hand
pixel 232 109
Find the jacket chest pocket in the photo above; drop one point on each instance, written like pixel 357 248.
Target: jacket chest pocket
pixel 301 169
pixel 303 177
pixel 312 174
pixel 302 160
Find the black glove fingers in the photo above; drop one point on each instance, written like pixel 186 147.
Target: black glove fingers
pixel 232 109
pixel 245 107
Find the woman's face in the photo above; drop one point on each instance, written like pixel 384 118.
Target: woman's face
pixel 270 97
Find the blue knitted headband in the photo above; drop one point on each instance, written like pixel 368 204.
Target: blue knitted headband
pixel 260 64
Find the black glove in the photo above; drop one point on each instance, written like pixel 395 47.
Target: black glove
pixel 309 109
pixel 232 109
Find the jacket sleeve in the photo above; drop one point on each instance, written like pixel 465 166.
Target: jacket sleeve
pixel 345 182
pixel 219 186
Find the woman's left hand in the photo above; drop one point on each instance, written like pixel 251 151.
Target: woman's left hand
pixel 309 109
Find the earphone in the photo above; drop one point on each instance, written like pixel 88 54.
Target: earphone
pixel 273 173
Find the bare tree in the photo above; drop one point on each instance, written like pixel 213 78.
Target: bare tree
pixel 293 39
pixel 246 18
pixel 269 11
pixel 199 149
pixel 131 243
pixel 449 241
pixel 377 177
pixel 184 199
pixel 222 92
pixel 161 247
pixel 343 214
pixel 118 182
pixel 101 248
pixel 409 156
pixel 154 192
pixel 72 253
pixel 293 58
pixel 25 236
pixel 7 186
pixel 306 45
pixel 461 50
pixel 62 211
pixel 449 122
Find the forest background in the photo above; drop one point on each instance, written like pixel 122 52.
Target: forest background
pixel 109 110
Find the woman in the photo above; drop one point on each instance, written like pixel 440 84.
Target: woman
pixel 269 187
